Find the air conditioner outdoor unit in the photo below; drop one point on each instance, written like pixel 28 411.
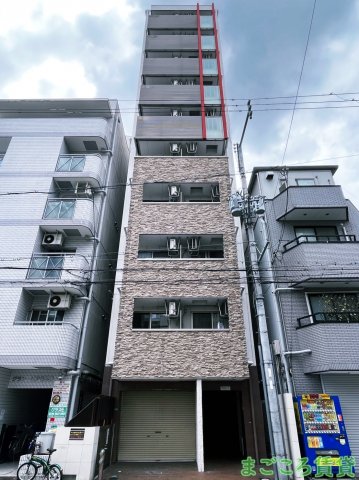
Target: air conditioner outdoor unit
pixel 176 113
pixel 223 309
pixel 176 82
pixel 174 192
pixel 215 192
pixel 52 240
pixel 83 189
pixel 175 148
pixel 191 147
pixel 59 301
pixel 173 308
pixel 193 245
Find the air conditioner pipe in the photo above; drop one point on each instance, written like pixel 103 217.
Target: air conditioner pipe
pixel 298 352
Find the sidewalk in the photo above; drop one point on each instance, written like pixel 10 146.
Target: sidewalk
pixel 8 470
pixel 172 471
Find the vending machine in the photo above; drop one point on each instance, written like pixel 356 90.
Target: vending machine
pixel 321 428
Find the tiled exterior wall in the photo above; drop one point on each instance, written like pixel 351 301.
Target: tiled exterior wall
pixel 180 354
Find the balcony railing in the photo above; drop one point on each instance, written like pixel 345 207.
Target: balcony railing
pixel 67 267
pixel 49 266
pixel 70 163
pixel 329 317
pixel 318 239
pixel 59 209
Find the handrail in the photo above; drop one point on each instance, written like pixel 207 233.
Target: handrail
pixel 318 239
pixel 345 316
pixel 47 323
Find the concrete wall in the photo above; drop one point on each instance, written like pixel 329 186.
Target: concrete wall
pixel 180 354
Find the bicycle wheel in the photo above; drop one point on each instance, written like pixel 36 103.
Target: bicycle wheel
pixel 55 473
pixel 26 471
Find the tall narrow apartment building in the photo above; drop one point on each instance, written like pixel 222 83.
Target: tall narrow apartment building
pixel 178 343
pixel 63 166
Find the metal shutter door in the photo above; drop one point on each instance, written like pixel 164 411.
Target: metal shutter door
pixel 347 389
pixel 157 426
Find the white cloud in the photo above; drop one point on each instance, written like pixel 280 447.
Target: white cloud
pixel 32 15
pixel 51 78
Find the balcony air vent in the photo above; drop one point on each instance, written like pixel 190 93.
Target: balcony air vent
pixel 191 148
pixel 175 148
pixel 90 146
pixel 52 241
pixel 223 309
pixel 193 246
pixel 59 301
pixel 173 308
pixel 83 190
pixel 174 193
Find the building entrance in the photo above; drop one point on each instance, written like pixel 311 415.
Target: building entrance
pixel 223 435
pixel 25 414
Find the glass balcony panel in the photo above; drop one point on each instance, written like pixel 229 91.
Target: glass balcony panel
pixel 212 94
pixel 206 21
pixel 214 127
pixel 70 163
pixel 208 42
pixel 46 267
pixel 59 209
pixel 210 66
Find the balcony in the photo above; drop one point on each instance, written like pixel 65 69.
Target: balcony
pixel 170 95
pixel 186 314
pixel 171 66
pixel 171 42
pixel 317 264
pixel 82 168
pixel 184 127
pixel 58 272
pixel 312 203
pixel 180 247
pixel 48 345
pixel 70 214
pixel 181 192
pixel 332 338
pixel 318 239
pixel 212 95
pixel 172 21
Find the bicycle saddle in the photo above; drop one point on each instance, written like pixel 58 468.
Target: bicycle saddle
pixel 51 450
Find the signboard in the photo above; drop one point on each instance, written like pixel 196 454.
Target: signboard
pixel 59 412
pixel 56 415
pixel 77 434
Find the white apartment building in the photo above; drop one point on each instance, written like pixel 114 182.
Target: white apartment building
pixel 63 166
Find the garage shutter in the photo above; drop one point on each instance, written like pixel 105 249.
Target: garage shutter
pixel 347 389
pixel 157 426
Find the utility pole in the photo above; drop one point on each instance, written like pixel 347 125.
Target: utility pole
pixel 248 207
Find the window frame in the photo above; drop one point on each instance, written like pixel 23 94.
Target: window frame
pixel 40 312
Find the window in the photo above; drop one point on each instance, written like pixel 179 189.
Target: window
pixel 202 320
pixel 334 307
pixel 70 163
pixel 318 234
pixel 305 182
pixel 150 320
pixel 46 266
pixel 41 317
pixel 59 209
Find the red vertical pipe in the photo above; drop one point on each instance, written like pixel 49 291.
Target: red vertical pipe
pixel 203 113
pixel 220 83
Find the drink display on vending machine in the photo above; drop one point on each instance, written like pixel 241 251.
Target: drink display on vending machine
pixel 321 428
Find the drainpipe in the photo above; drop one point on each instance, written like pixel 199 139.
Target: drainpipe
pixel 86 311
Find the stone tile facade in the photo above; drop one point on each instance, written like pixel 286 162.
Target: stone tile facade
pixel 180 354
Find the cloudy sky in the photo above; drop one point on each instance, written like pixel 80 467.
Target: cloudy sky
pixel 92 48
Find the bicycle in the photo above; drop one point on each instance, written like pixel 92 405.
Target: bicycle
pixel 29 469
